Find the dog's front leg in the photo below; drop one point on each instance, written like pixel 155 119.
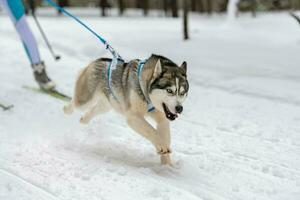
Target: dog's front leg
pixel 163 129
pixel 160 138
pixel 140 125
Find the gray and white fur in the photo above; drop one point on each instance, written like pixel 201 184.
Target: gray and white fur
pixel 162 81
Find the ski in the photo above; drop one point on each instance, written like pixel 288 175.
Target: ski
pixel 53 93
pixel 5 107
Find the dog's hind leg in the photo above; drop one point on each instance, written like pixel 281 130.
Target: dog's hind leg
pixel 100 108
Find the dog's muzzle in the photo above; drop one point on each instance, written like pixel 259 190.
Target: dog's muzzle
pixel 171 116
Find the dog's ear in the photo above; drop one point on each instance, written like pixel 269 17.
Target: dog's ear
pixel 158 69
pixel 184 66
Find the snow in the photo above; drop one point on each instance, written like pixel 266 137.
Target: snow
pixel 238 138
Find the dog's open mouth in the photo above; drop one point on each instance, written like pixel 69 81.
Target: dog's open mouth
pixel 171 116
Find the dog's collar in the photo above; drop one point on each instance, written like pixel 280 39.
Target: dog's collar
pixel 150 107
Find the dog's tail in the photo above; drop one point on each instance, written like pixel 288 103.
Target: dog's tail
pixel 85 88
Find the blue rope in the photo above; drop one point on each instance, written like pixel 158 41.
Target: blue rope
pixel 112 51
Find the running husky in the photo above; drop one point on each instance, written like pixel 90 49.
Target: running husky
pixel 156 88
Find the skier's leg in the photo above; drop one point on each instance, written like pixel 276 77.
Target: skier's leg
pixel 16 11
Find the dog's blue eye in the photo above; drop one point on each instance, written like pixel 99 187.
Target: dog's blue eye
pixel 170 91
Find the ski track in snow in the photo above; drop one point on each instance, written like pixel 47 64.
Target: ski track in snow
pixel 238 138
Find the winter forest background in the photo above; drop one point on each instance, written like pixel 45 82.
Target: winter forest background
pixel 171 8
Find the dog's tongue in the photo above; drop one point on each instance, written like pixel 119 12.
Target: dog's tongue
pixel 172 115
pixel 169 114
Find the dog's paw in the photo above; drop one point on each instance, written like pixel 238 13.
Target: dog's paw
pixel 165 160
pixel 84 120
pixel 68 109
pixel 163 150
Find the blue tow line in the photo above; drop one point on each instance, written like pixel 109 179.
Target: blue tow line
pixel 102 40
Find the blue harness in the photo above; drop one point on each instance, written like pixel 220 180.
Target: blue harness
pixel 111 67
pixel 150 107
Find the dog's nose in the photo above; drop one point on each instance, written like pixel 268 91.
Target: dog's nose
pixel 179 109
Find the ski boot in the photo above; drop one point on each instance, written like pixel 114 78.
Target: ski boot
pixel 41 77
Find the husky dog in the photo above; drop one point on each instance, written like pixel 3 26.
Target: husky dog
pixel 155 88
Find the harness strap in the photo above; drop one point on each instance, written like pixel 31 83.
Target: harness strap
pixel 109 72
pixel 112 66
pixel 150 107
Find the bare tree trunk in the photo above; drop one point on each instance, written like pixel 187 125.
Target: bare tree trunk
pixel 121 7
pixel 138 3
pixel 29 7
pixel 253 7
pixel 32 6
pixel 223 6
pixel 165 7
pixel 194 5
pixel 146 7
pixel 296 4
pixel 103 6
pixel 201 6
pixel 174 5
pixel 209 6
pixel 185 20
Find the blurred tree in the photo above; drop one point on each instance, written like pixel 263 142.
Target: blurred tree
pixel 103 5
pixel 174 5
pixel 222 5
pixel 281 4
pixel 248 5
pixel 121 7
pixel 193 5
pixel 166 6
pixel 201 6
pixel 254 7
pixel 32 6
pixel 209 7
pixel 185 19
pixel 145 7
pixel 138 4
pixel 295 4
pixel 62 3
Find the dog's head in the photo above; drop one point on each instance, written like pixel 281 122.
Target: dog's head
pixel 169 87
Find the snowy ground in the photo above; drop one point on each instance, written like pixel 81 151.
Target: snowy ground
pixel 238 139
